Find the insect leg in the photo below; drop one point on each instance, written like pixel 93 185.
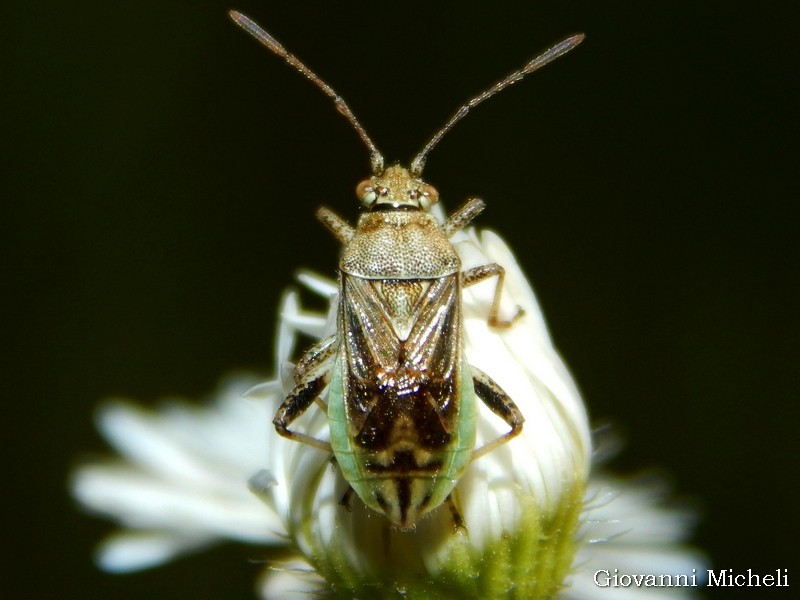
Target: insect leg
pixel 315 357
pixel 340 228
pixel 455 514
pixel 296 403
pixel 346 497
pixel 500 404
pixel 461 218
pixel 316 360
pixel 477 274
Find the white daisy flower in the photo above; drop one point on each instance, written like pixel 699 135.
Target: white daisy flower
pixel 535 525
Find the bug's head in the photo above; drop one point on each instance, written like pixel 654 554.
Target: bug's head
pixel 396 189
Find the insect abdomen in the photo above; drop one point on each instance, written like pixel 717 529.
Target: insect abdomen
pixel 405 478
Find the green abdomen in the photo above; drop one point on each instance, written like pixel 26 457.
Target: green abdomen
pixel 405 461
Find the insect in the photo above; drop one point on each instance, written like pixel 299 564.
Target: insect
pixel 401 396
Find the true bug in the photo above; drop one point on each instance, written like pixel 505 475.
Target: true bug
pixel 401 396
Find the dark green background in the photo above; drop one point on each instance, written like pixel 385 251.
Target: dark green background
pixel 161 171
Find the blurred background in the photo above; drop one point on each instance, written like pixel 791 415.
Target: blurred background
pixel 160 172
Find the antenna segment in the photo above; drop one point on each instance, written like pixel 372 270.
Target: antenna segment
pixel 545 57
pixel 251 27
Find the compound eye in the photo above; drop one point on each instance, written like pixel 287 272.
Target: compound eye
pixel 428 196
pixel 366 192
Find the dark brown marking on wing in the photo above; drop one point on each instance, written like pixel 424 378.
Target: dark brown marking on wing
pixel 413 418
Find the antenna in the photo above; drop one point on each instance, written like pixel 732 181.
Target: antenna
pixel 251 27
pixel 545 57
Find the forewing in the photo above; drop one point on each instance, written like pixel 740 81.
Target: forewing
pixel 434 345
pixel 388 379
pixel 368 338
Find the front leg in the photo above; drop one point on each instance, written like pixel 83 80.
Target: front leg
pixel 297 402
pixel 315 358
pixel 462 217
pixel 478 274
pixel 315 361
pixel 500 404
pixel 340 228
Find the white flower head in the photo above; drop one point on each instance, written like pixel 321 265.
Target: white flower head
pixel 182 486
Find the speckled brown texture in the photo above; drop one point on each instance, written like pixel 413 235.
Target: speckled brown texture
pixel 399 245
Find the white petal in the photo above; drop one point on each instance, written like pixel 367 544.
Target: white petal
pixel 294 580
pixel 141 501
pixel 634 511
pixel 585 589
pixel 630 528
pixel 285 340
pixel 126 552
pixel 260 391
pixel 186 483
pixel 310 324
pixel 148 441
pixel 323 286
pixel 218 447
